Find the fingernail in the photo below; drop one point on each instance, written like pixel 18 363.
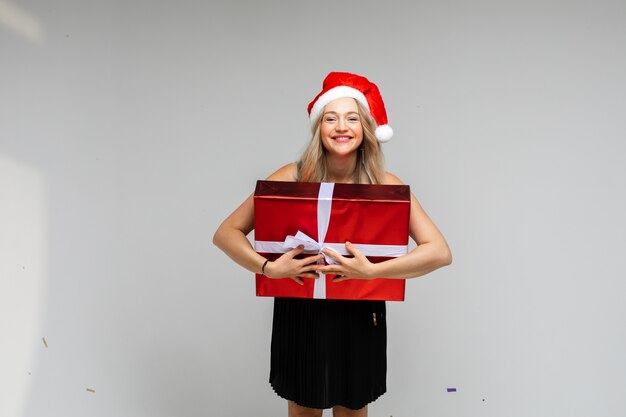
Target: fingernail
pixel 348 243
pixel 300 246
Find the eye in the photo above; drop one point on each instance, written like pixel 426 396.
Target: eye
pixel 353 118
pixel 330 119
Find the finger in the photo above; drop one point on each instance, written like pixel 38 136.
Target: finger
pixel 298 280
pixel 328 269
pixel 311 260
pixel 311 269
pixel 340 278
pixel 309 275
pixel 296 251
pixel 352 249
pixel 336 256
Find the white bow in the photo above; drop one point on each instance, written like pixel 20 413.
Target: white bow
pixel 310 245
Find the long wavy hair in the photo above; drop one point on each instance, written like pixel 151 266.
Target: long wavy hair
pixel 312 165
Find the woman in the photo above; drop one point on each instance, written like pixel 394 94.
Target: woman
pixel 330 353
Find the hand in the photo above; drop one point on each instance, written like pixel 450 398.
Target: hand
pixel 358 267
pixel 286 266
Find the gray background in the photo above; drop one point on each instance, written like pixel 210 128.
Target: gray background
pixel 129 130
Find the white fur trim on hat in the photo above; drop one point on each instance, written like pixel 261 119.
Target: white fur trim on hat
pixel 333 94
pixel 384 133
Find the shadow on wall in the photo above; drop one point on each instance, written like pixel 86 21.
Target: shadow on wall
pixel 23 281
pixel 22 261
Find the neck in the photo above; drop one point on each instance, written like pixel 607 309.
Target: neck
pixel 341 169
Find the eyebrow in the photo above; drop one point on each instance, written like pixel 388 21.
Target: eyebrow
pixel 334 112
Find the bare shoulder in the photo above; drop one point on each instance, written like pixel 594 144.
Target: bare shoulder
pixel 286 173
pixel 392 179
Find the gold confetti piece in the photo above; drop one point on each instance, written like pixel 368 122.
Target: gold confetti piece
pixel 91 390
pixel 45 343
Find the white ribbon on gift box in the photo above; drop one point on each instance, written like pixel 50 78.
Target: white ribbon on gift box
pixel 324 204
pixel 312 246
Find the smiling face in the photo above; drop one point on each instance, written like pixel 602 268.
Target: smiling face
pixel 341 130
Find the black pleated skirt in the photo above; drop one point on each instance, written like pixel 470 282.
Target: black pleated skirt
pixel 329 352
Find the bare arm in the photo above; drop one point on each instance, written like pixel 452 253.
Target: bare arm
pixel 432 251
pixel 231 238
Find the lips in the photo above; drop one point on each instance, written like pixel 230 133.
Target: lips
pixel 342 139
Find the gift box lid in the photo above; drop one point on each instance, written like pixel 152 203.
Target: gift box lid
pixel 377 192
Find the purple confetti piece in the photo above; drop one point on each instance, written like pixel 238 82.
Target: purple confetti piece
pixel 451 389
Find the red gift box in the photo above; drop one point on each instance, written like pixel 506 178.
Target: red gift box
pixel 375 218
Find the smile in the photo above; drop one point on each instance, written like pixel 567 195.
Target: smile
pixel 342 139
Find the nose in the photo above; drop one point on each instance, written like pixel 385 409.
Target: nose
pixel 341 125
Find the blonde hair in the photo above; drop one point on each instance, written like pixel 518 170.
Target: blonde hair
pixel 312 165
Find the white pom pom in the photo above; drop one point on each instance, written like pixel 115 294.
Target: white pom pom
pixel 384 133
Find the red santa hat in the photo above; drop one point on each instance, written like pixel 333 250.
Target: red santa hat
pixel 343 84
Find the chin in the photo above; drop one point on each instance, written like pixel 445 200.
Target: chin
pixel 341 149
